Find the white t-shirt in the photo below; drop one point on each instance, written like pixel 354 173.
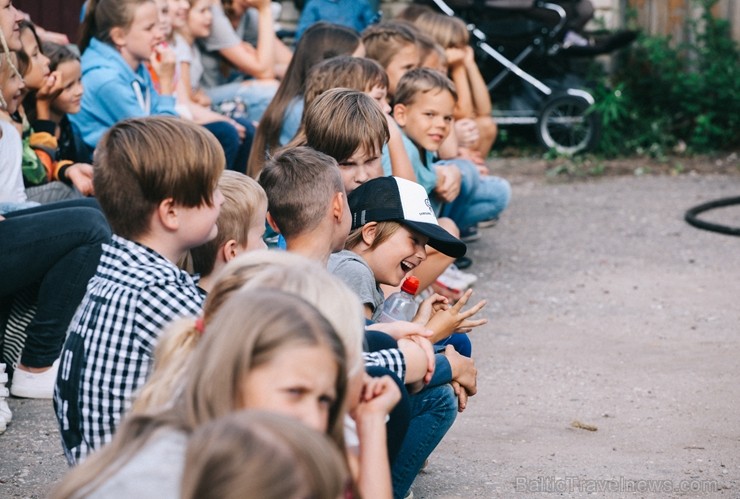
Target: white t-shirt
pixel 11 157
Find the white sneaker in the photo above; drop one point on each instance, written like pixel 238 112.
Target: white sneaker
pixel 5 415
pixel 3 425
pixel 35 385
pixel 456 280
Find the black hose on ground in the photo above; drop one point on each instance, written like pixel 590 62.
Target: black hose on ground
pixel 692 216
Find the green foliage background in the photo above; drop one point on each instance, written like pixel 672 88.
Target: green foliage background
pixel 669 96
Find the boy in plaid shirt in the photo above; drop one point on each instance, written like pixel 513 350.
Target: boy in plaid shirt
pixel 156 180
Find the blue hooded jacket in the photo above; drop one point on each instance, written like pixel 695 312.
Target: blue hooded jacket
pixel 114 92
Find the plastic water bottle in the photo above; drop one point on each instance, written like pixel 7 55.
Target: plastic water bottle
pixel 400 306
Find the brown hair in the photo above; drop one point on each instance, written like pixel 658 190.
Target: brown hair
pixel 243 197
pixel 341 121
pixel 384 230
pixel 427 46
pixel 448 31
pixel 319 42
pixel 383 41
pixel 357 73
pixel 249 329
pixel 258 454
pixel 142 161
pixel 102 16
pixel 300 183
pixel 421 80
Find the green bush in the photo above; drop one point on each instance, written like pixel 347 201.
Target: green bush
pixel 667 95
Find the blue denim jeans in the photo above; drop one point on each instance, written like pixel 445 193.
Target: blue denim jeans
pixel 235 149
pixel 481 197
pixel 255 94
pixel 433 410
pixel 56 246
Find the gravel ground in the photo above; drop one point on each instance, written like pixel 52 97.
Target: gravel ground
pixel 606 311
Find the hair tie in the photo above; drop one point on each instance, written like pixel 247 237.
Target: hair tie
pixel 199 325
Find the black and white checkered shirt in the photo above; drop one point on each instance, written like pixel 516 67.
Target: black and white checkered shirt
pixel 110 341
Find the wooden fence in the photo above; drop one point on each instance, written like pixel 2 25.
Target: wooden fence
pixel 669 17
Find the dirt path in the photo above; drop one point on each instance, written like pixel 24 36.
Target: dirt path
pixel 605 308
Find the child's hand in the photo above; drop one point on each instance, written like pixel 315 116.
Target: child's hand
pixel 379 396
pixel 462 396
pixel 467 132
pixel 164 61
pixel 52 86
pixel 454 319
pixel 429 306
pixel 464 372
pixel 455 56
pixel 401 329
pixel 81 176
pixel 449 180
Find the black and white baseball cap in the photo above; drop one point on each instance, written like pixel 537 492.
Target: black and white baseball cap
pixel 399 200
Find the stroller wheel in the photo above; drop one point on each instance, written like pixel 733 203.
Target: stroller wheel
pixel 566 125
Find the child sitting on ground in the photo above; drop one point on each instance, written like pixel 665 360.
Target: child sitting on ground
pixel 423 107
pixel 241 225
pixel 48 176
pixel 118 37
pixel 260 271
pixel 345 125
pixel 157 182
pixel 474 101
pixel 261 349
pixel 392 221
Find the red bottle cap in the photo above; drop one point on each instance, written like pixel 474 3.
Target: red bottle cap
pixel 410 285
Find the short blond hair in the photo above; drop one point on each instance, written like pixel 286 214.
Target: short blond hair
pixel 243 197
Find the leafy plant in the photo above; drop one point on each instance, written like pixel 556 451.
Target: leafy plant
pixel 669 94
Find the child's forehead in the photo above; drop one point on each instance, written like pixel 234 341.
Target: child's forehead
pixel 436 97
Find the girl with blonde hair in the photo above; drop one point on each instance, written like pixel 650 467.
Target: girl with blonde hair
pixel 369 400
pixel 253 335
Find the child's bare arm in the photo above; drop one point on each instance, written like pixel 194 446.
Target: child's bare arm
pixel 478 89
pixel 459 75
pixel 259 62
pixel 379 396
pixel 419 356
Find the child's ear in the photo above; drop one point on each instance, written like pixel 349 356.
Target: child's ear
pixel 229 250
pixel 271 223
pixel 399 114
pixel 118 36
pixel 167 214
pixel 369 231
pixel 338 205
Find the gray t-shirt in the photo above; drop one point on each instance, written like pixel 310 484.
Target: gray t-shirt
pixel 154 472
pixel 357 274
pixel 222 36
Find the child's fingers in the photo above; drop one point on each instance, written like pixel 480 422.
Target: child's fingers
pixel 462 301
pixel 470 324
pixel 474 309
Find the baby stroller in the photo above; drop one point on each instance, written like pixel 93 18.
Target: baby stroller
pixel 528 72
